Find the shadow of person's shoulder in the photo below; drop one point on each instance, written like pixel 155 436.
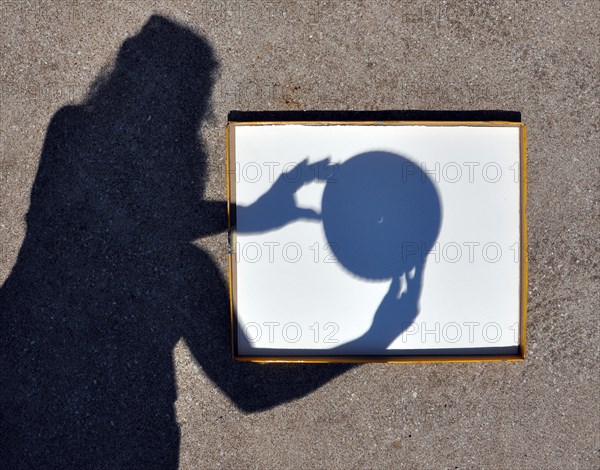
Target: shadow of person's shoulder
pixel 63 127
pixel 68 115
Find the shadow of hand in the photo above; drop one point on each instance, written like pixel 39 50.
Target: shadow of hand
pixel 395 314
pixel 277 207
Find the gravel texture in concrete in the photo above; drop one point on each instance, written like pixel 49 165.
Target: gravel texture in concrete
pixel 113 255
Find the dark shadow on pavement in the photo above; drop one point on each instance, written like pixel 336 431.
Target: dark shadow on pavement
pixel 107 280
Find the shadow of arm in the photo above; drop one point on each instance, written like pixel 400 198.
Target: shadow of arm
pixel 251 387
pixel 211 219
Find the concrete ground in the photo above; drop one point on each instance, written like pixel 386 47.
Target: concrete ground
pixel 540 58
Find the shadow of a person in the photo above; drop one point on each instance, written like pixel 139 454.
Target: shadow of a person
pixel 107 280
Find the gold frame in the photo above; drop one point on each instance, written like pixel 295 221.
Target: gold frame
pixel 392 359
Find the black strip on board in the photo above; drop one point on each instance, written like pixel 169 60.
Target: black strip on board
pixel 389 115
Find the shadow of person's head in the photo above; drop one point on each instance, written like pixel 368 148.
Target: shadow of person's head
pixel 131 153
pixel 165 68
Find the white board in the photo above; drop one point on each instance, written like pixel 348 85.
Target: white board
pixel 294 296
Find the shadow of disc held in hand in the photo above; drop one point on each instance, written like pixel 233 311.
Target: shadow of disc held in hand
pixel 381 215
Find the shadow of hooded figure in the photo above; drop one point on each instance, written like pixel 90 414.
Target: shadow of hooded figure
pixel 107 280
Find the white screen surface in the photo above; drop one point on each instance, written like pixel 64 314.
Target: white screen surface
pixel 294 297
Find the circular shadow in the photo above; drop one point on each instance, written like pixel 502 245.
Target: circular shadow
pixel 381 215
